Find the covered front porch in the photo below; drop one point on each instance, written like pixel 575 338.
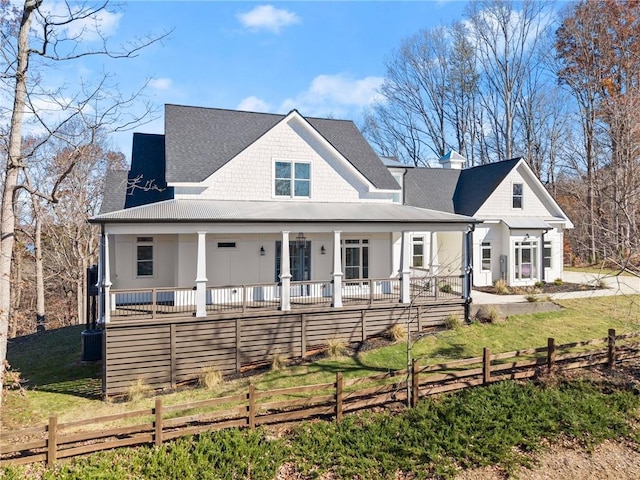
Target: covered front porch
pixel 152 275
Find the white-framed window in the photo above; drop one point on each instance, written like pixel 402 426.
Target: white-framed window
pixel 485 256
pixel 518 196
pixel 417 252
pixel 546 254
pixel 397 196
pixel 292 179
pixel 144 257
pixel 355 258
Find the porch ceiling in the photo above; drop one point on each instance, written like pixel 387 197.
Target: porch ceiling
pixel 220 211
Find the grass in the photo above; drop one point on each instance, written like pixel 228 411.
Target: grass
pixel 70 389
pixel 502 424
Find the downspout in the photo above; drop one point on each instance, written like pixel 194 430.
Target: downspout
pixel 468 271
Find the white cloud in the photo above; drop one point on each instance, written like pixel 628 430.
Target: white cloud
pixel 161 84
pixel 269 18
pixel 253 104
pixel 338 95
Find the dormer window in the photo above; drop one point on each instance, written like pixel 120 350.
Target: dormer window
pixel 517 195
pixel 292 179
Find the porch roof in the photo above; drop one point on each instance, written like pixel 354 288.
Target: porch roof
pixel 538 223
pixel 184 210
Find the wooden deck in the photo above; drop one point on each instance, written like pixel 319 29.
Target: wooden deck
pixel 168 349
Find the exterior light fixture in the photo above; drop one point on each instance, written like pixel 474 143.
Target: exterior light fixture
pixel 301 240
pixel 323 250
pixel 262 251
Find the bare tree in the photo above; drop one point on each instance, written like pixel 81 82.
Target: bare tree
pixel 38 35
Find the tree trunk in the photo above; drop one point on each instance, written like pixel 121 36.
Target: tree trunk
pixel 14 159
pixel 40 308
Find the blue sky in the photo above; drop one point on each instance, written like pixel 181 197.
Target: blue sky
pixel 322 58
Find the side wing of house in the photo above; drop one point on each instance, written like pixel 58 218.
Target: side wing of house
pixel 521 239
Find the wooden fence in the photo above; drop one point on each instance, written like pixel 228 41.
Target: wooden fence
pixel 169 351
pixel 56 441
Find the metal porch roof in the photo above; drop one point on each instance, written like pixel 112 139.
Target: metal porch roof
pixel 183 210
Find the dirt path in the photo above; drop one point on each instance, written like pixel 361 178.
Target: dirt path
pixel 608 461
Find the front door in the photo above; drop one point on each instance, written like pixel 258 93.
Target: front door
pixel 299 260
pixel 526 260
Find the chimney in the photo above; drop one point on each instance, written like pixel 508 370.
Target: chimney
pixel 453 160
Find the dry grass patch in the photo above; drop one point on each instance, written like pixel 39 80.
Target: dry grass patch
pixel 397 332
pixel 336 348
pixel 138 390
pixel 210 377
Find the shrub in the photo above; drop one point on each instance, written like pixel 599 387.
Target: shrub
pixel 487 314
pixel 532 298
pixel 209 377
pixel 452 322
pixel 539 284
pixel 397 332
pixel 137 390
pixel 445 288
pixel 335 348
pixel 500 287
pixel 558 282
pixel 278 361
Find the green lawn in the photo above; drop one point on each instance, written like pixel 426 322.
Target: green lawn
pixel 58 383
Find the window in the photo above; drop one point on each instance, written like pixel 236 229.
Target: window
pixel 417 257
pixel 546 255
pixel 485 250
pixel 292 179
pixel 397 196
pixel 144 257
pixel 355 258
pixel 517 195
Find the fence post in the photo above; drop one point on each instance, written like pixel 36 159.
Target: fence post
pixel 52 442
pixel 415 383
pixel 339 383
pixel 158 421
pixel 486 365
pixel 551 354
pixel 252 406
pixel 611 348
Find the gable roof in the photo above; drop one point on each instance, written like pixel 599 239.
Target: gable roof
pixel 452 190
pixel 432 188
pixel 115 191
pixel 201 140
pixel 476 184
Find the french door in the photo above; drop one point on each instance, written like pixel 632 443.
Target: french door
pixel 526 260
pixel 299 260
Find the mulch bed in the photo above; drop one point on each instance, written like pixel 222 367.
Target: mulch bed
pixel 545 288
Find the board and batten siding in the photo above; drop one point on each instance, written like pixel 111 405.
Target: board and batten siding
pixel 167 352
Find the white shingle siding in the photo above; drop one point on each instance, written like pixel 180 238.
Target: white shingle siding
pixel 250 175
pixel 499 204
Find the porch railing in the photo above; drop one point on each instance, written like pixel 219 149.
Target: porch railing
pixel 437 287
pixel 154 302
pixel 370 290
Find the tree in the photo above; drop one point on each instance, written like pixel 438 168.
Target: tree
pixel 37 35
pixel 598 48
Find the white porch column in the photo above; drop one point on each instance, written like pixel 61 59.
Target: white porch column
pixel 337 270
pixel 100 283
pixel 405 268
pixel 107 281
pixel 201 276
pixel 285 274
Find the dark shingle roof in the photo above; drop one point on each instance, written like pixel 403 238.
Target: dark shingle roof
pixel 147 180
pixel 115 190
pixel 455 191
pixel 432 188
pixel 476 184
pixel 201 140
